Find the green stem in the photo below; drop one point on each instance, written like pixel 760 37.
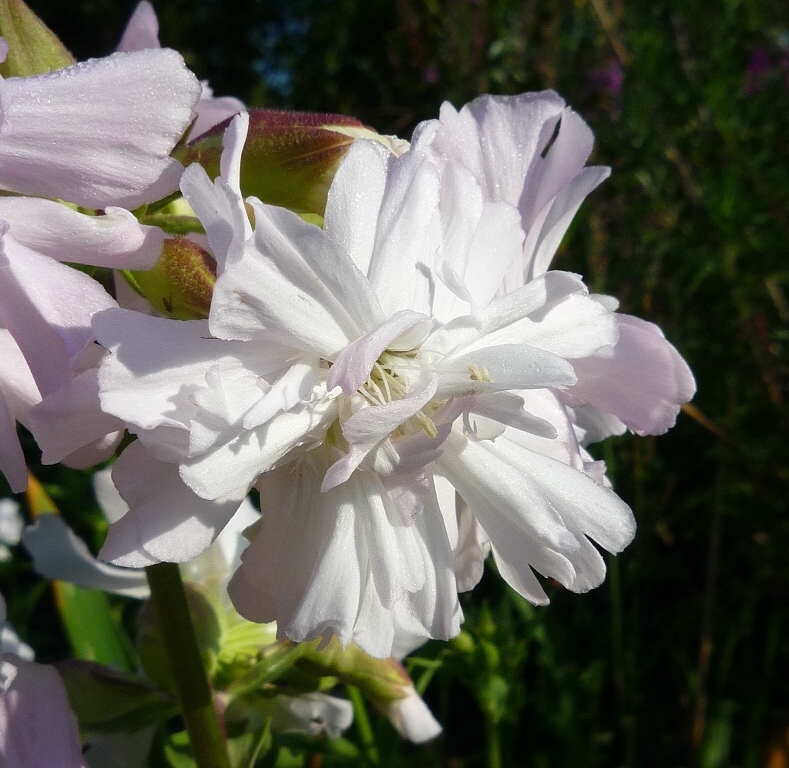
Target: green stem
pixel 492 741
pixel 363 726
pixel 194 692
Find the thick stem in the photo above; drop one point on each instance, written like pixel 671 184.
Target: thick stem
pixel 194 692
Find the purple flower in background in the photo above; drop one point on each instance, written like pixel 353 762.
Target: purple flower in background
pixel 610 78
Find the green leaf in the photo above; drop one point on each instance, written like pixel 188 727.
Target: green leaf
pixel 105 700
pixel 33 48
pixel 92 629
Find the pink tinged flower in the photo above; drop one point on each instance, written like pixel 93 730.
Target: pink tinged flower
pixel 642 380
pixel 142 31
pixel 98 133
pixel 394 318
pixel 114 239
pixel 528 151
pixel 47 307
pixel 37 727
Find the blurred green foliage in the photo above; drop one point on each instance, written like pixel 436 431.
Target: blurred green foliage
pixel 682 657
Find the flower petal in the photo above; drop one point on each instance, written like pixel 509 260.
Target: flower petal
pixel 59 554
pixel 166 521
pixel 115 240
pixel 643 380
pixel 98 133
pixel 37 727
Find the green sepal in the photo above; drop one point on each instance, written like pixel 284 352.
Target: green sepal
pixel 150 646
pixel 105 700
pixel 274 661
pixel 33 48
pixel 289 158
pixel 181 283
pixel 381 680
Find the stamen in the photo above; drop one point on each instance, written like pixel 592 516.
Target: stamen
pixel 477 373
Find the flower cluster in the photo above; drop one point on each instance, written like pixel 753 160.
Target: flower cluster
pixel 386 354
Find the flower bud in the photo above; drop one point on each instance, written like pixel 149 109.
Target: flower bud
pixel 33 48
pixel 289 158
pixel 384 682
pixel 181 283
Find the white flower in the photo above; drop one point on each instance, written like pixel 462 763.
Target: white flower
pixel 349 370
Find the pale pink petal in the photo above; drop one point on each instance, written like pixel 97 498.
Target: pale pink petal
pixel 212 110
pixel 71 418
pixel 37 727
pixel 643 380
pixel 496 137
pixel 142 29
pixel 354 363
pixel 98 133
pixel 12 460
pixel 115 239
pixel 59 554
pixel 369 426
pixel 47 307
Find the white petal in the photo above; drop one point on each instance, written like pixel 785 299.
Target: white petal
pixel 407 235
pixel 537 511
pixel 412 718
pixel 354 200
pixel 293 285
pixel 98 133
pixel 158 364
pixel 548 236
pixel 233 467
pixel 110 501
pixel 166 521
pixel 115 239
pixel 59 554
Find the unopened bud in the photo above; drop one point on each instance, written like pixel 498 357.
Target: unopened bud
pixel 33 48
pixel 181 283
pixel 384 682
pixel 289 158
